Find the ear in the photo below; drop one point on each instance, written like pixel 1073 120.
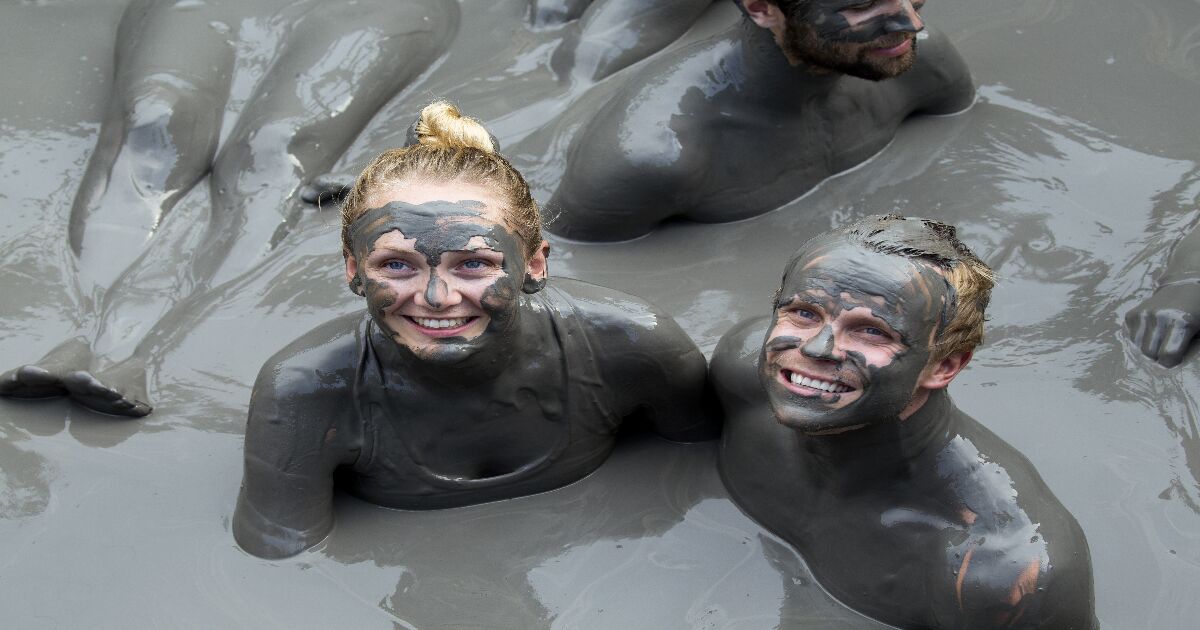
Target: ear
pixel 938 375
pixel 765 14
pixel 536 270
pixel 352 278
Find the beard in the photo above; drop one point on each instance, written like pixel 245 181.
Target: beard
pixel 802 44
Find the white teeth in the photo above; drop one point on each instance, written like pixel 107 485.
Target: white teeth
pixel 804 381
pixel 440 323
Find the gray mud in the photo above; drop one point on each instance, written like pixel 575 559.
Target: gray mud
pixel 1072 175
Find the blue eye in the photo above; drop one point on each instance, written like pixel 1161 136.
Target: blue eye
pixel 396 265
pixel 474 265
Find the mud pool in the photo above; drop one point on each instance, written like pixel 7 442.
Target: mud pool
pixel 1072 175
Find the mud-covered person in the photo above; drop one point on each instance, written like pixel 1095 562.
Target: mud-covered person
pixel 471 377
pixel 1163 325
pixel 840 436
pixel 747 120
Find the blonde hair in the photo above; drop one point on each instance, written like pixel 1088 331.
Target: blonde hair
pixel 449 148
pixel 972 280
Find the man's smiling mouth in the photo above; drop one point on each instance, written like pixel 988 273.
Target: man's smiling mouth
pixel 829 387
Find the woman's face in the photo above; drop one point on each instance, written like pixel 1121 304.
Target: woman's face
pixel 441 271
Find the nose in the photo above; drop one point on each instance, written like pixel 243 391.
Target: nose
pixel 820 346
pixel 438 293
pixel 905 19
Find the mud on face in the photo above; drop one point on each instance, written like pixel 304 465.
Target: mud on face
pixel 853 331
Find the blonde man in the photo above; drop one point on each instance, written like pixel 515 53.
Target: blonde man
pixel 841 438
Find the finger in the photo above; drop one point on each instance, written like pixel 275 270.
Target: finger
pixel 1161 324
pixel 1135 321
pixel 1176 344
pixel 1147 335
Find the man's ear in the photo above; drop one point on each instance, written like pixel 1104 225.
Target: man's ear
pixel 536 270
pixel 765 14
pixel 939 375
pixel 352 278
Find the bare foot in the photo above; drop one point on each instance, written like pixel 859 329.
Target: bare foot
pixel 119 390
pixel 44 377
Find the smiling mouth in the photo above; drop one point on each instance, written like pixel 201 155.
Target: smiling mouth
pixel 441 326
pixel 826 387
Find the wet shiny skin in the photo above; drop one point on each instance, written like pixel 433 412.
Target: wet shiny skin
pixel 905 508
pixel 857 317
pixel 461 263
pixel 1065 175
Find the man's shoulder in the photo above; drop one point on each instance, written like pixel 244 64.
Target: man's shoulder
pixel 940 81
pixel 1020 541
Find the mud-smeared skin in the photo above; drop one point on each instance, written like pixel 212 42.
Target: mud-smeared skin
pixel 931 521
pixel 827 19
pixel 438 228
pixel 1163 325
pixel 530 404
pixel 848 277
pixel 69 370
pixel 613 34
pixel 174 64
pixel 727 128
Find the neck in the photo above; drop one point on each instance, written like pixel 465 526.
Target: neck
pixel 770 74
pixel 883 452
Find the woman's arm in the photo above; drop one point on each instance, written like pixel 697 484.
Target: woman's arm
pixel 297 434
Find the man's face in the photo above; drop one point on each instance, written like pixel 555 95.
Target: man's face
pixel 441 276
pixel 852 334
pixel 869 39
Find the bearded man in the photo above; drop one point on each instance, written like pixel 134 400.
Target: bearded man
pixel 745 121
pixel 841 438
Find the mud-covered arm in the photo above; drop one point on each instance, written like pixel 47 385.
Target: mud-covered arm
pixel 941 81
pixel 627 168
pixel 1164 324
pixel 292 448
pixel 609 195
pixel 655 372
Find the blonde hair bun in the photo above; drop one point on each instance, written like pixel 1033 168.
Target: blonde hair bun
pixel 442 124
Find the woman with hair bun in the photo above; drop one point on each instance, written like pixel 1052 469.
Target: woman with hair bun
pixel 470 378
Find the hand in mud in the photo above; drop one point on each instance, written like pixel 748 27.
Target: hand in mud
pixel 323 190
pixel 1164 324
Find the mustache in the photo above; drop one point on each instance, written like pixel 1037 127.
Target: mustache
pixel 891 40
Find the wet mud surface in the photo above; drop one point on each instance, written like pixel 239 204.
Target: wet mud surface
pixel 1072 175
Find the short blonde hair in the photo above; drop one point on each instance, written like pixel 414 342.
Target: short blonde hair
pixel 449 147
pixel 972 280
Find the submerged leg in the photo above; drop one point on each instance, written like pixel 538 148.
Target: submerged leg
pixel 173 65
pixel 338 66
